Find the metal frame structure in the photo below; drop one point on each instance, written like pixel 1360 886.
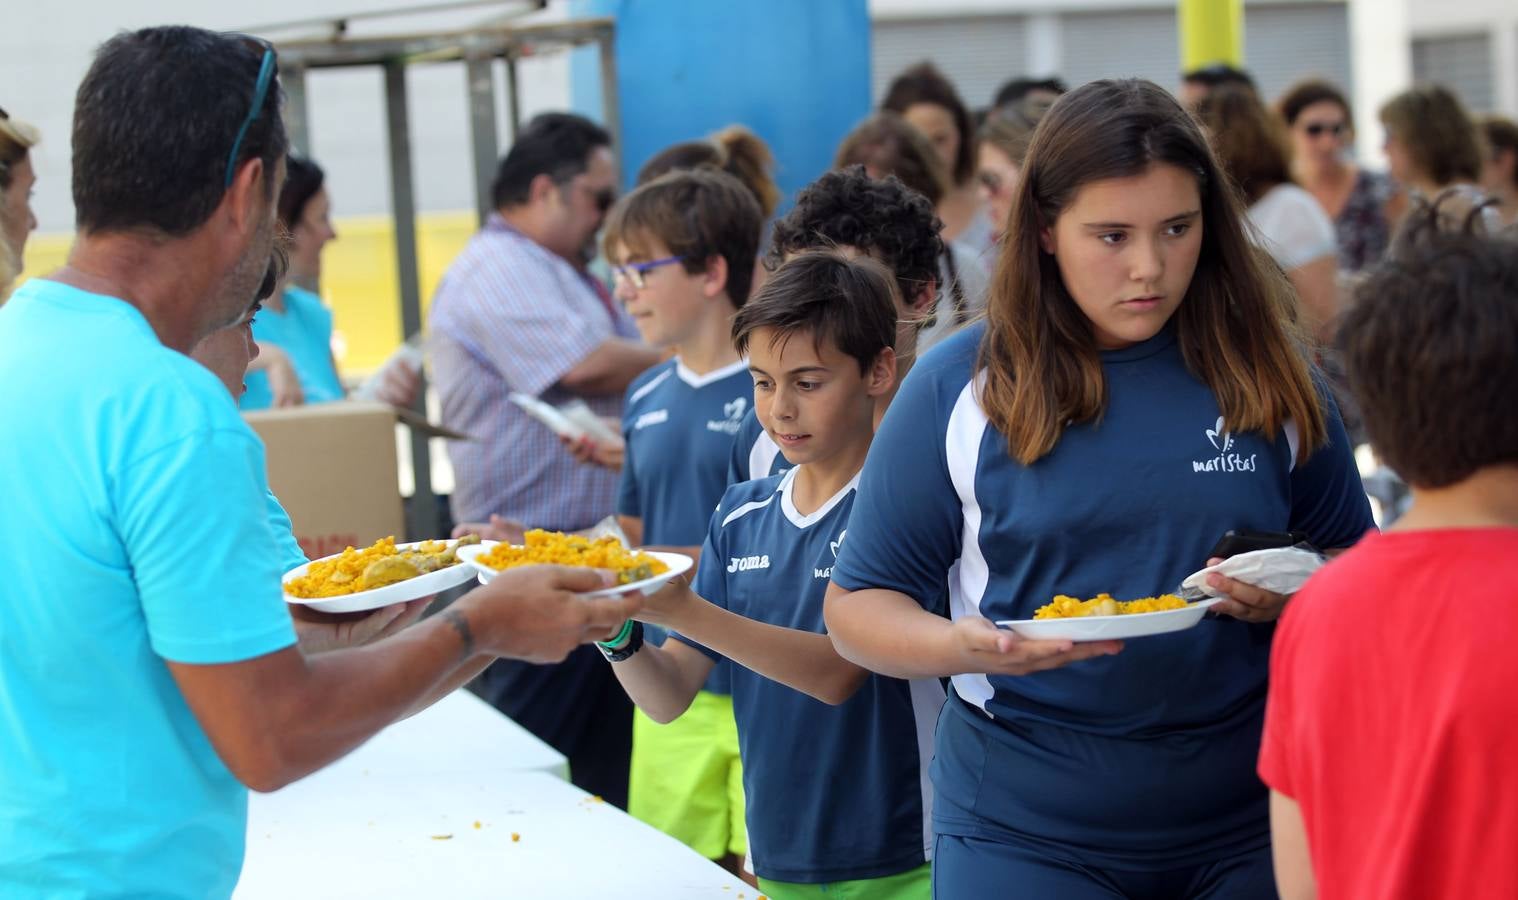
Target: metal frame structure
pixel 477 48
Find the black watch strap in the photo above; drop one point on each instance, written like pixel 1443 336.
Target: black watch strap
pixel 633 645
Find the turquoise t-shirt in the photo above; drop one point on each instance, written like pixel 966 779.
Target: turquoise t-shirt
pixel 284 536
pixel 304 331
pixel 137 530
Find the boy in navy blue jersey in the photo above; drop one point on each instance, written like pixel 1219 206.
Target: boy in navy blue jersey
pixel 683 248
pixel 834 758
pixel 880 218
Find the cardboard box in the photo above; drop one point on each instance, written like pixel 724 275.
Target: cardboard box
pixel 333 468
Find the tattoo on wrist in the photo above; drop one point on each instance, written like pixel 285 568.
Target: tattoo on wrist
pixel 461 625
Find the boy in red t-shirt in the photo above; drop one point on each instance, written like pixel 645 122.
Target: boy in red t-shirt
pixel 1391 730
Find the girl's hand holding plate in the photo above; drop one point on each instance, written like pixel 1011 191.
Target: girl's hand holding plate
pixel 985 649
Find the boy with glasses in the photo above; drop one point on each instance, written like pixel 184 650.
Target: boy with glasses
pixel 683 249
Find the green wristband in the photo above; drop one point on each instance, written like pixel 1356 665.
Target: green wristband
pixel 620 641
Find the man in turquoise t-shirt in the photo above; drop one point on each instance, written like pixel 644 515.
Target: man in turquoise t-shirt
pixel 148 667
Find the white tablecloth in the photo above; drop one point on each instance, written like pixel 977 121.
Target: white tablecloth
pixel 460 733
pixel 460 802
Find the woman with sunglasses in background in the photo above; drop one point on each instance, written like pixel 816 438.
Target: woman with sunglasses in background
pixel 1362 204
pixel 295 363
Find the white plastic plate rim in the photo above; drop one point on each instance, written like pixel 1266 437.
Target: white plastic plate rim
pixel 547 414
pixel 376 598
pixel 1102 628
pixel 678 564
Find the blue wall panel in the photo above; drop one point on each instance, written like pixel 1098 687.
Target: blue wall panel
pixel 796 72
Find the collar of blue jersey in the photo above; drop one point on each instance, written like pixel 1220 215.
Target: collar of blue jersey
pixel 788 506
pixel 690 377
pixel 1144 349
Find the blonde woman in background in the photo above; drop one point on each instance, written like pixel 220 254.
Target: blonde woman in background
pixel 17 220
pixel 1003 145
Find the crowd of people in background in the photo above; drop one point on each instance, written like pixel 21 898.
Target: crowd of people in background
pixel 989 358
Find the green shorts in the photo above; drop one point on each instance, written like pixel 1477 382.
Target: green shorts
pixel 686 780
pixel 914 884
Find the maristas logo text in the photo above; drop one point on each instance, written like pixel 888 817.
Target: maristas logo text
pixel 1224 461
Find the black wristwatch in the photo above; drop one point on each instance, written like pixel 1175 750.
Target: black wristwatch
pixel 625 644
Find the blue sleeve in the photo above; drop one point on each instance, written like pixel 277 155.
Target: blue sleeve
pixel 737 459
pixel 1328 501
pixel 710 583
pixel 906 526
pixel 284 536
pixel 194 517
pixel 629 501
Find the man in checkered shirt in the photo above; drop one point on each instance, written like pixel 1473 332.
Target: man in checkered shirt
pixel 518 312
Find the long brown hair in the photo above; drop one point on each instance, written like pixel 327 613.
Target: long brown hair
pixel 1248 138
pixel 1042 366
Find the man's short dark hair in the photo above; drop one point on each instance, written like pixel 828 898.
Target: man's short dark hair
pixel 878 216
pixel 554 144
pixel 1429 349
pixel 697 214
pixel 155 120
pixel 830 297
pixel 1216 75
pixel 1018 88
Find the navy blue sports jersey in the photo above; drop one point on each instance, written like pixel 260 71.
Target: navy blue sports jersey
pixel 679 428
pixel 1141 759
pixel 835 793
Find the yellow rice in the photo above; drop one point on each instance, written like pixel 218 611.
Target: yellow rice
pixel 1063 607
pixel 557 548
pixel 343 574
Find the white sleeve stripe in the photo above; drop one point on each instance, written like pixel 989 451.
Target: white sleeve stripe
pixel 747 508
pixel 967 585
pixel 643 391
pixel 761 456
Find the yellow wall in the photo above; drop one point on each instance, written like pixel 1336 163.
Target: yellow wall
pixel 358 278
pixel 1212 31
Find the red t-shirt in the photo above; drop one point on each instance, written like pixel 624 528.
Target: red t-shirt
pixel 1393 716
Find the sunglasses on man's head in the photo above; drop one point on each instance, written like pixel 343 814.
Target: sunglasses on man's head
pixel 266 69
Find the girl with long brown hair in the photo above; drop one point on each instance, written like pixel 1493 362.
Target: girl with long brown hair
pixel 1135 391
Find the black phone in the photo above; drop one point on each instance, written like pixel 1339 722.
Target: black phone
pixel 1234 542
